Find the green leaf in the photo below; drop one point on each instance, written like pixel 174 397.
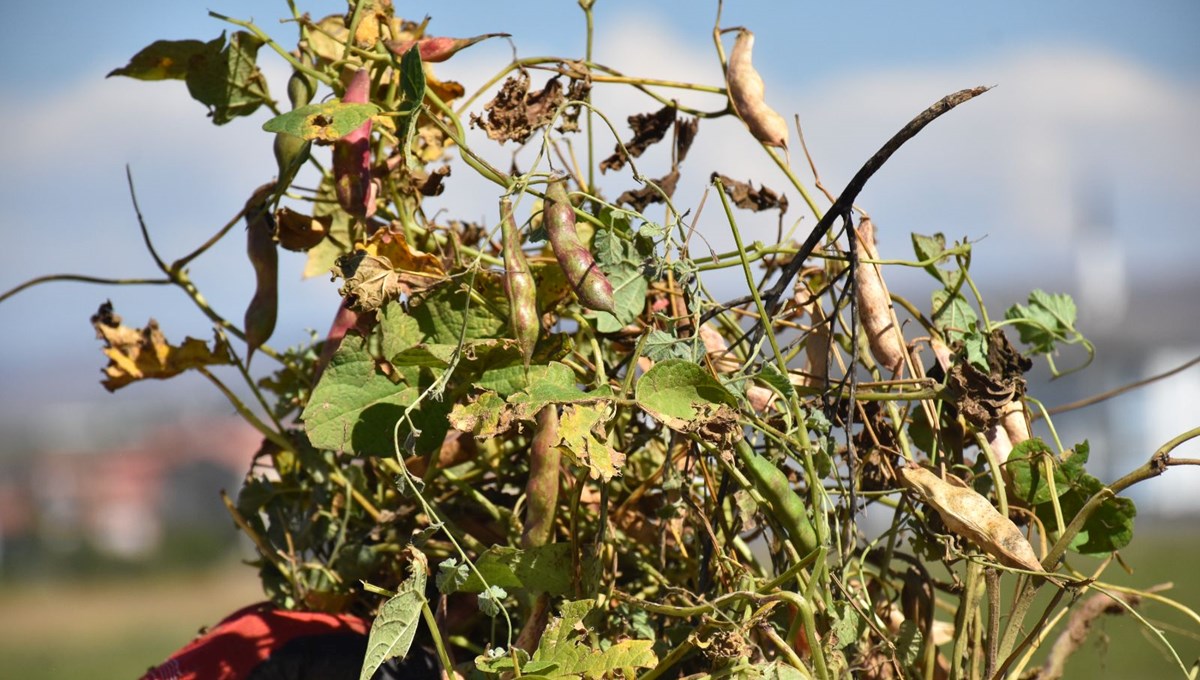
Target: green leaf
pixel 1028 471
pixel 442 311
pixel 396 624
pixel 412 86
pixel 509 378
pixel 1109 528
pixel 225 78
pixel 952 315
pixel 424 354
pixel 544 569
pixel 976 348
pixel 1048 319
pixel 491 600
pixel 499 660
pixel 399 330
pixel 772 376
pixel 354 405
pixel 325 122
pixel 229 82
pixel 846 625
pixel 661 346
pixel 560 648
pixel 486 416
pixel 686 397
pixel 930 247
pixel 629 295
pixel 908 643
pixel 451 576
pixel 553 384
pixel 585 440
pixel 167 59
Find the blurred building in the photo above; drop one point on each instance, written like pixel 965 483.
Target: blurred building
pixel 125 502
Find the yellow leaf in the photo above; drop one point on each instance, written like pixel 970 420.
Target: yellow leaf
pixel 135 354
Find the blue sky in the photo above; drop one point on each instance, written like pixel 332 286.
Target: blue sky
pixel 1091 96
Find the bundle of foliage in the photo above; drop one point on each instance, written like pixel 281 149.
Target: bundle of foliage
pixel 540 447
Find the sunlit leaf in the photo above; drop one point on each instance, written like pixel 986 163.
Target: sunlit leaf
pixel 326 122
pixel 394 627
pixel 139 354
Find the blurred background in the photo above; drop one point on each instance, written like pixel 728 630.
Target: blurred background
pixel 1077 174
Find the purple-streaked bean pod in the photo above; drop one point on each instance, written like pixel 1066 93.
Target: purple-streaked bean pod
pixel 352 155
pixel 590 284
pixel 519 286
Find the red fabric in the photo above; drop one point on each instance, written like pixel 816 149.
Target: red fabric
pixel 246 638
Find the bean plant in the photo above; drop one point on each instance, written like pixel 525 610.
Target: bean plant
pixel 538 445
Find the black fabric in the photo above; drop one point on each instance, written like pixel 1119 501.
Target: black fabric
pixel 339 656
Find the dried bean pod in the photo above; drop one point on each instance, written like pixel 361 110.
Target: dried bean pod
pixel 518 284
pixel 590 284
pixel 352 156
pixel 746 93
pixel 971 516
pixel 816 344
pixel 1016 425
pixel 875 304
pixel 260 248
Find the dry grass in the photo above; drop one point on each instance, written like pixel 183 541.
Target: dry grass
pixel 113 629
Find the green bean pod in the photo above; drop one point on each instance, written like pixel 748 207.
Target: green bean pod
pixel 518 284
pixel 590 284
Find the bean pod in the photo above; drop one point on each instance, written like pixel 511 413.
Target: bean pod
pixel 352 156
pixel 875 304
pixel 260 248
pixel 590 284
pixel 747 94
pixel 518 284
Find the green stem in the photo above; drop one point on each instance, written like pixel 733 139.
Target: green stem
pixel 81 278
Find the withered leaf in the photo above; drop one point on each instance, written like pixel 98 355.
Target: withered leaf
pixel 432 184
pixel 685 134
pixel 982 397
pixel 138 354
pixel 385 268
pixel 648 129
pixel 643 197
pixel 299 232
pixel 745 196
pixel 1006 362
pixel 578 90
pixel 516 113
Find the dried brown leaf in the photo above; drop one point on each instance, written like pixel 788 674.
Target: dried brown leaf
pixel 685 134
pixel 744 195
pixel 385 268
pixel 516 113
pixel 640 198
pixel 648 129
